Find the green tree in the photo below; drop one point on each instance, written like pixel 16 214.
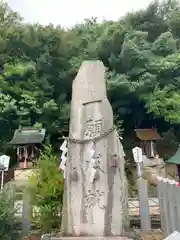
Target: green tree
pixel 10 225
pixel 46 189
pixel 140 52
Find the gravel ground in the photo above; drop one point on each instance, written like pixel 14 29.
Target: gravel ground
pixel 150 235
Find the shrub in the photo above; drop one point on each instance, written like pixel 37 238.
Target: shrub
pixel 46 189
pixel 9 224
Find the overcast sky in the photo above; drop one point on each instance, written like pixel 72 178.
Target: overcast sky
pixel 69 12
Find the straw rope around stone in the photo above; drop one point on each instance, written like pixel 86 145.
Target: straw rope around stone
pixel 94 139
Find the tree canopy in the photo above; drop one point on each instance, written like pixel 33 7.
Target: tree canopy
pixel 141 52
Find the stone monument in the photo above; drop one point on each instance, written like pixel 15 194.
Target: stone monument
pixel 95 195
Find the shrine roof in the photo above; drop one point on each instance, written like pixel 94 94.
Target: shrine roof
pixel 28 136
pixel 175 159
pixel 147 134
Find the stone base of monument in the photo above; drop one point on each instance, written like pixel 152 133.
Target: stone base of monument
pixel 91 238
pixel 128 236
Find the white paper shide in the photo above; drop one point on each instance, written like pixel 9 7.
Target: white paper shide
pixel 64 150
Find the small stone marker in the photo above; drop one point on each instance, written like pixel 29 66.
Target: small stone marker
pixel 173 236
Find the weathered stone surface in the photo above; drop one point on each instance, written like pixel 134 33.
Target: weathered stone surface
pixel 95 197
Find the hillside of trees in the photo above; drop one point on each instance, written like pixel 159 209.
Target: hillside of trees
pixel 141 52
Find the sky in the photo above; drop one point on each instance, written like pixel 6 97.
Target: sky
pixel 69 12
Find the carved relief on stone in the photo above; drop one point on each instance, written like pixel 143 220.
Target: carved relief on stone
pixel 92 198
pixel 96 168
pixel 96 165
pixel 87 157
pixel 91 91
pixel 97 162
pixel 114 160
pixel 93 128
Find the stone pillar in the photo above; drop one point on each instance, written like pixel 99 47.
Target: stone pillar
pixel 95 196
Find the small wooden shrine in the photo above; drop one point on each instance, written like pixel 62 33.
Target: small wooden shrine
pixel 148 139
pixel 27 141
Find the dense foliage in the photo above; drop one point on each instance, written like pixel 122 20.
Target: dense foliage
pixel 141 52
pixel 9 224
pixel 46 191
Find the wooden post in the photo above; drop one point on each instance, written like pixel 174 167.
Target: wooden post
pixel 2 179
pixel 178 172
pixel 25 157
pixel 142 191
pixel 144 204
pixel 26 214
pixel 161 203
pixel 168 194
pixel 177 197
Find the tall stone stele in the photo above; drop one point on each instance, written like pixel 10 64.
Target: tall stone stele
pixel 95 196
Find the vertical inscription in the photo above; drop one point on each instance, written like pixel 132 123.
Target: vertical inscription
pixel 92 199
pixel 91 91
pixel 93 128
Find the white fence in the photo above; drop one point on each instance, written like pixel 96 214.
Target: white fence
pixel 169 203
